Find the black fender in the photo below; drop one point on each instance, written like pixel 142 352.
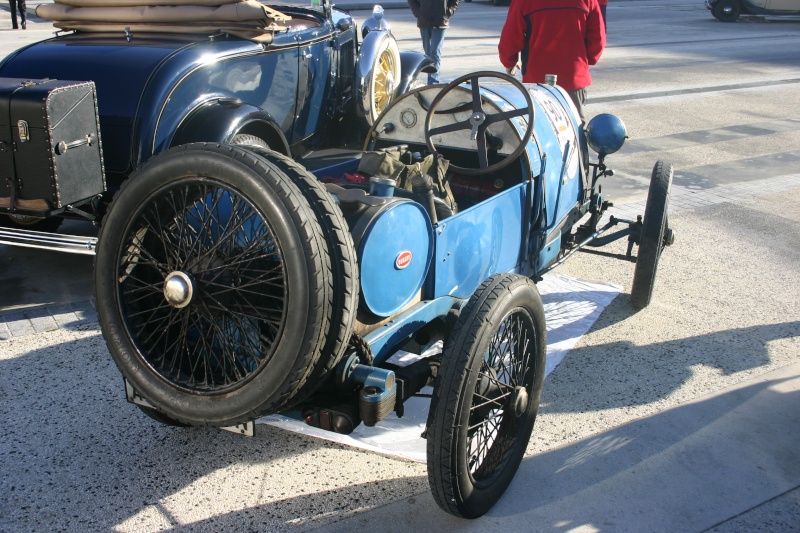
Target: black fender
pixel 220 120
pixel 412 64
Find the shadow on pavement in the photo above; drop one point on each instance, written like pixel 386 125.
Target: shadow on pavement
pixel 685 469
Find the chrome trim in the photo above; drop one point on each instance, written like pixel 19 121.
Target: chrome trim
pixel 73 244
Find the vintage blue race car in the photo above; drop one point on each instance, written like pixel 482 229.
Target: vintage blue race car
pixel 288 87
pixel 232 282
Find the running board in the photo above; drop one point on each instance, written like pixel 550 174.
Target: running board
pixel 72 244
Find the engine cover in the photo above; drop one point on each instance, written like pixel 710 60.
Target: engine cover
pixel 394 243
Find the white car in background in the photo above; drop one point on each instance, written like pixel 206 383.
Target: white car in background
pixel 729 10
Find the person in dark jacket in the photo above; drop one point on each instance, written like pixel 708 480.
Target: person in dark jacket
pixel 603 7
pixel 561 37
pixel 433 18
pixel 18 5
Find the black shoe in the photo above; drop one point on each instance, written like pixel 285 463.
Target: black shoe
pixel 24 26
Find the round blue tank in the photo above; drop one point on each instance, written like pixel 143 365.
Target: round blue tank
pixel 394 245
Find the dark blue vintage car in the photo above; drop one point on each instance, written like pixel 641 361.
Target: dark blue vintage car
pixel 158 89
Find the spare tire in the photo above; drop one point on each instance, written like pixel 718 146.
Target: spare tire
pixel 213 285
pixel 343 259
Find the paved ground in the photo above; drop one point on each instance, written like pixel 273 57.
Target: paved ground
pixel 680 417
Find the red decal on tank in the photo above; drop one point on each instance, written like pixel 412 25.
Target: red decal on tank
pixel 403 260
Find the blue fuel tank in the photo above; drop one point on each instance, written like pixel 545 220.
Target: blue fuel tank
pixel 393 241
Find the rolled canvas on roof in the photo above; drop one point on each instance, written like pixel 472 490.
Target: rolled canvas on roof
pixel 128 3
pixel 248 19
pixel 232 12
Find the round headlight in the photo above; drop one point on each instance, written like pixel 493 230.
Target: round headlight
pixel 374 23
pixel 606 134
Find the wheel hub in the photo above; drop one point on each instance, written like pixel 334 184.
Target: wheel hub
pixel 178 289
pixel 520 401
pixel 390 84
pixel 477 118
pixel 669 237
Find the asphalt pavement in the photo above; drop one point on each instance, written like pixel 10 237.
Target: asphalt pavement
pixel 684 416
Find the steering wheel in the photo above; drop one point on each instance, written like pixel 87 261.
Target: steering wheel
pixel 479 121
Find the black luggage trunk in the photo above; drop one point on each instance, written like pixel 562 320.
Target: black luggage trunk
pixel 50 152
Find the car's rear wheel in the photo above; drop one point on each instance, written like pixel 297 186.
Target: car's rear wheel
pixel 654 237
pixel 213 285
pixel 245 139
pixel 726 10
pixel 161 417
pixel 26 222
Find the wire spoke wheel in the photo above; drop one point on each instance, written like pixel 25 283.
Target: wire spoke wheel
pixel 505 375
pixel 384 80
pixel 213 285
pixel 381 80
pixel 220 258
pixel 486 400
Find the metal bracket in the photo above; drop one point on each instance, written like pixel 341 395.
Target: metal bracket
pixel 134 397
pixel 248 429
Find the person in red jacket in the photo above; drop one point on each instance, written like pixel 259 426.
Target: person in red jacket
pixel 561 37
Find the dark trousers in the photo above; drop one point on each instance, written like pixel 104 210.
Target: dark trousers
pixel 579 99
pixel 17 5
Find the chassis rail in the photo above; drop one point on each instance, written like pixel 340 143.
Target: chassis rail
pixel 73 244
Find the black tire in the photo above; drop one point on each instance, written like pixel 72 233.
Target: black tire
pixel 161 417
pixel 416 83
pixel 242 236
pixel 473 450
pixel 343 264
pixel 245 139
pixel 653 239
pixel 50 224
pixel 726 10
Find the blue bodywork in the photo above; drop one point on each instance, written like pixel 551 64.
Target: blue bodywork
pixel 519 229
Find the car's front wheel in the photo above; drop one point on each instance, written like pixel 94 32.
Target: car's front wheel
pixel 486 396
pixel 726 10
pixel 378 75
pixel 655 235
